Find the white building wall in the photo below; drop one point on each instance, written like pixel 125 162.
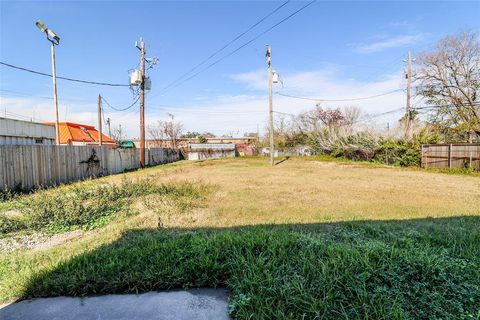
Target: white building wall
pixel 18 132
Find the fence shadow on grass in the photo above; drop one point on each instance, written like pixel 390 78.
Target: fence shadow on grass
pixel 425 268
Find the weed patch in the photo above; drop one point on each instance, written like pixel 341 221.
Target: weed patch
pixel 90 206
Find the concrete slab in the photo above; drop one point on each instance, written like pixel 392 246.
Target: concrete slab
pixel 190 304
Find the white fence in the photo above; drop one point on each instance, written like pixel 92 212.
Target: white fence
pixel 29 166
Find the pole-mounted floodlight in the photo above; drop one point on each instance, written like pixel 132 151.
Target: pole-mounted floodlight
pixel 41 25
pixel 51 36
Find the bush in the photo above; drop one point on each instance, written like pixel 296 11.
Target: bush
pixel 337 153
pixel 363 146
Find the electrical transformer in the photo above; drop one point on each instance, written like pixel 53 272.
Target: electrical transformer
pixel 135 78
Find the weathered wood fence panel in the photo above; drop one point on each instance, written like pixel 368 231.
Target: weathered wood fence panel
pixel 459 155
pixel 30 166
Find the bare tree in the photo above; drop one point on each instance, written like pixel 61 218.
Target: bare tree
pixel 118 135
pixel 352 115
pixel 173 131
pixel 157 133
pixel 165 130
pixel 448 79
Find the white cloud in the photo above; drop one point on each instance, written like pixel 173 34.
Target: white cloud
pixel 393 42
pixel 242 112
pixel 253 79
pixel 41 110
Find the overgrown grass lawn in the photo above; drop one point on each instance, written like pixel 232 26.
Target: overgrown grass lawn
pixel 295 250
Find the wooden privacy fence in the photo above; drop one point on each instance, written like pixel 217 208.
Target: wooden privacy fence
pixel 458 155
pixel 29 166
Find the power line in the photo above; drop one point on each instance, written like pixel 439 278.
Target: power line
pixel 376 115
pixel 22 94
pixel 120 109
pixel 337 100
pixel 440 106
pixel 241 47
pixel 65 78
pixel 226 45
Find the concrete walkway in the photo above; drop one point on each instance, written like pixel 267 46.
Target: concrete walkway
pixel 191 304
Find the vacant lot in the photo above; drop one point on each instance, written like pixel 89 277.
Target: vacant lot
pixel 305 238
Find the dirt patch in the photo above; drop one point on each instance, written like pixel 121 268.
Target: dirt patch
pixel 59 239
pixel 36 241
pixel 12 213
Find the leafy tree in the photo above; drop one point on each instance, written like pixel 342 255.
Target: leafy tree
pixel 202 139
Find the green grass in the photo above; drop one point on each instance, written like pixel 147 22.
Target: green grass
pixel 88 205
pixel 165 232
pixel 425 269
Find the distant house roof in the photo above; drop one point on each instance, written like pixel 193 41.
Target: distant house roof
pixel 75 132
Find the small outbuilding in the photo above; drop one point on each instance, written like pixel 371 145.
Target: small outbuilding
pixel 20 132
pixel 201 151
pixel 82 135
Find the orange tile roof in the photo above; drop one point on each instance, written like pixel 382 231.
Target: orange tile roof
pixel 75 132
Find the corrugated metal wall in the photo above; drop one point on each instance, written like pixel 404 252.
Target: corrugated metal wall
pixel 29 166
pixel 18 132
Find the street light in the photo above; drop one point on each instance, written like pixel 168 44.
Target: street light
pixel 54 40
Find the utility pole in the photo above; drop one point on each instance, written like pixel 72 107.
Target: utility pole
pixel 100 138
pixel 109 130
pixel 270 103
pixel 408 112
pixel 55 100
pixel 142 103
pixel 174 132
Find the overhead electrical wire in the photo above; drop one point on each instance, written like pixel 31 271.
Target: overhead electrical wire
pixel 239 48
pixel 376 115
pixel 226 45
pixel 338 100
pixel 22 94
pixel 476 103
pixel 120 109
pixel 64 78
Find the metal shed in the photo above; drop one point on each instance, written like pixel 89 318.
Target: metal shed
pixel 19 132
pixel 200 151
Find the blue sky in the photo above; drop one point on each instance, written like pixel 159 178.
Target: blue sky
pixel 331 50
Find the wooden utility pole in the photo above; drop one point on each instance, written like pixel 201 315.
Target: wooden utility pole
pixel 100 138
pixel 270 104
pixel 55 99
pixel 142 104
pixel 408 111
pixel 109 130
pixel 173 131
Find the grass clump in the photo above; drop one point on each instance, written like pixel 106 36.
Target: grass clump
pixel 8 224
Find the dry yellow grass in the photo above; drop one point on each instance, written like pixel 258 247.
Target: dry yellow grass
pixel 249 191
